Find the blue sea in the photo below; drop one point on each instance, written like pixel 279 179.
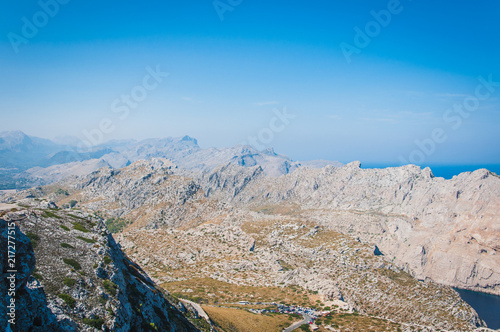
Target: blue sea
pixel 487 306
pixel 445 171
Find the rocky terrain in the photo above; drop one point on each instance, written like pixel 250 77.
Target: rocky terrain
pixel 446 230
pixel 367 238
pixel 73 276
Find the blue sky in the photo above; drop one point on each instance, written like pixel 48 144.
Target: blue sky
pixel 226 78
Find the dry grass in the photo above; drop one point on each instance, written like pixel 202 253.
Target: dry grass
pixel 210 291
pixel 354 322
pixel 236 320
pixel 284 210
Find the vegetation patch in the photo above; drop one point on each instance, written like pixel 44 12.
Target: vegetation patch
pixel 65 245
pixel 37 276
pixel 48 214
pixel 62 192
pixel 71 262
pixel 244 321
pixel 94 322
pixel 76 217
pixel 110 287
pixel 80 227
pixel 107 260
pixel 34 238
pixel 70 282
pixel 116 225
pixel 231 293
pixel 65 228
pixel 86 239
pixel 68 299
pixel 355 322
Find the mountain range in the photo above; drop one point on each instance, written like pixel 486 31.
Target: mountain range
pixel 374 249
pixel 27 161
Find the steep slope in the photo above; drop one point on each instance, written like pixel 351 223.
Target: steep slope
pixel 81 279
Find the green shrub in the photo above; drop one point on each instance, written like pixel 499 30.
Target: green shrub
pixel 62 192
pixel 65 228
pixel 49 214
pixel 68 299
pixel 95 322
pixel 33 238
pixel 107 260
pixel 65 245
pixel 38 276
pixel 70 282
pixel 110 287
pixel 116 225
pixel 80 227
pixel 71 262
pixel 86 240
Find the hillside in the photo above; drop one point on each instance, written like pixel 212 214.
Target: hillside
pixel 366 238
pixel 73 276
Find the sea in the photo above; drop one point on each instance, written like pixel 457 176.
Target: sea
pixel 487 306
pixel 444 171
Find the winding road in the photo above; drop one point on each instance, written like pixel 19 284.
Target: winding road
pixel 292 327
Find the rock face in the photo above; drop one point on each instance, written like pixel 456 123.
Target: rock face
pixel 81 280
pixel 29 309
pixel 447 230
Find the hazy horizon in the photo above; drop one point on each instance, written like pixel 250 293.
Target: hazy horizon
pixel 446 170
pixel 382 82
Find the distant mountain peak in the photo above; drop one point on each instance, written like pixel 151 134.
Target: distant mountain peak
pixel 189 139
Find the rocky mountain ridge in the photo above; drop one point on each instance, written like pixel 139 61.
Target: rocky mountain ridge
pixel 30 161
pixel 73 276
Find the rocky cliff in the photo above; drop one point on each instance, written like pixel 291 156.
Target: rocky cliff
pixel 72 276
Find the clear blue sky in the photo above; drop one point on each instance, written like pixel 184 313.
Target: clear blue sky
pixel 226 76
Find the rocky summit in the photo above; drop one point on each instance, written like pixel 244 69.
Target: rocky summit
pixel 358 249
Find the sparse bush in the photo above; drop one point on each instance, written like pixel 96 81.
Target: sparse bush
pixel 107 260
pixel 94 322
pixel 33 238
pixel 65 245
pixel 38 276
pixel 49 214
pixel 68 299
pixel 86 239
pixel 80 227
pixel 110 287
pixel 71 262
pixel 62 192
pixel 70 282
pixel 65 228
pixel 116 225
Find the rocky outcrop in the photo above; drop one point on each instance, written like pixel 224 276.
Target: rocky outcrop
pixel 81 280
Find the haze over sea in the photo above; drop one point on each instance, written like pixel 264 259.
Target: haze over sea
pixel 445 171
